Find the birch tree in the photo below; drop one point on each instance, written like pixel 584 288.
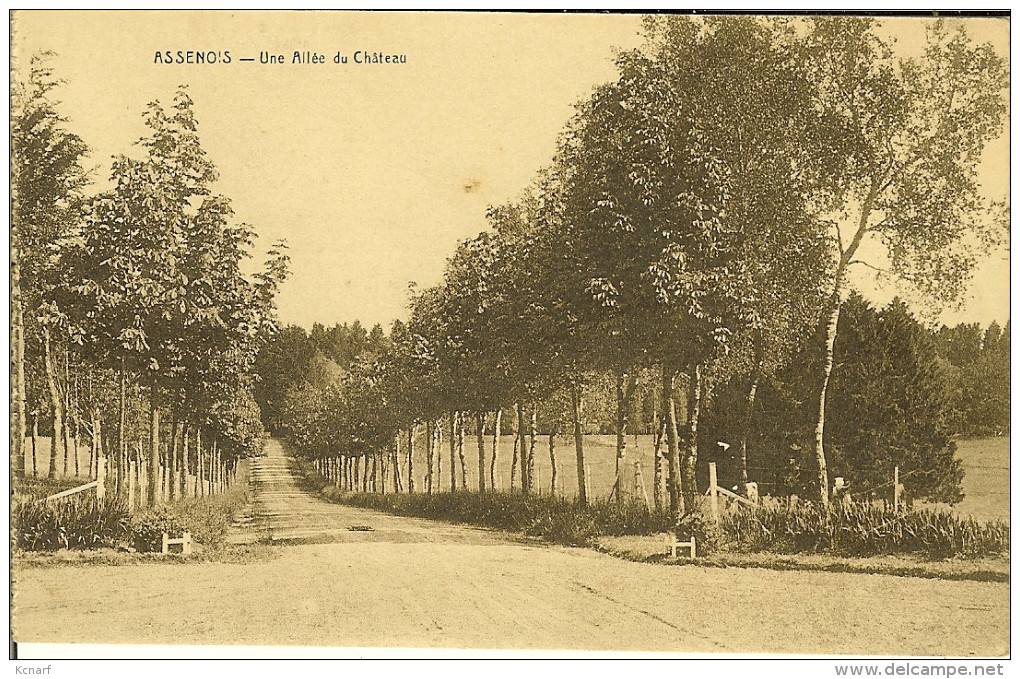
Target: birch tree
pixel 899 144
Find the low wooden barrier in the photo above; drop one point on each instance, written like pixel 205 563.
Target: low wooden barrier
pixel 672 543
pixel 184 541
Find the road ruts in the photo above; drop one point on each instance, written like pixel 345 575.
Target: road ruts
pixel 281 512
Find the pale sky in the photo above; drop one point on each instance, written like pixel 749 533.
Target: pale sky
pixel 373 172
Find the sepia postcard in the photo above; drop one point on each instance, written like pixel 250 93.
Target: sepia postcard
pixel 363 334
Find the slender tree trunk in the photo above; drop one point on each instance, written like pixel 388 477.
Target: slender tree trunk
pixel 516 449
pixel 552 460
pixel 210 470
pixel 674 485
pixel 453 451
pixel 217 466
pixel 532 436
pixel 430 436
pixel 19 402
pixel 92 457
pixel 436 452
pixel 660 435
pixel 437 478
pixel 200 463
pixel 835 302
pixel 172 448
pixel 522 447
pixel 480 432
pixel 66 396
pixel 98 438
pixel 625 385
pixel 185 466
pixel 830 343
pixel 577 407
pixel 181 473
pixel 77 423
pixel 122 410
pixel 77 435
pixel 746 425
pixel 497 432
pixel 410 458
pixel 153 482
pixel 56 402
pixel 397 485
pixel 35 436
pixel 690 453
pixel 460 450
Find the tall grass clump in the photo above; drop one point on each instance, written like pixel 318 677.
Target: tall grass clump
pixel 207 518
pixel 862 529
pixel 79 522
pixel 556 519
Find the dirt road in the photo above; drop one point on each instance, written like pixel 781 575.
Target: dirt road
pixel 283 513
pixel 413 583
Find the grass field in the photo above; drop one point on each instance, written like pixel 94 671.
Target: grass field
pixel 599 454
pixel 986 482
pixel 985 461
pixel 41 466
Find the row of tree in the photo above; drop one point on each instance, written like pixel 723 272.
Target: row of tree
pixel 130 309
pixel 895 400
pixel 698 224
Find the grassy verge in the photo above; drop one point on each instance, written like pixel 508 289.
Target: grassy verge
pixel 208 518
pixel 555 519
pixel 651 549
pixel 633 533
pixel 862 530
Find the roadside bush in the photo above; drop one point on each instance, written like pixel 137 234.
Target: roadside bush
pixel 707 535
pixel 75 523
pixel 556 519
pixel 147 529
pixel 861 529
pixel 207 518
pixel 83 522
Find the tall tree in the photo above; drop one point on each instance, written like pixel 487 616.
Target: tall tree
pixel 897 149
pixel 683 174
pixel 47 178
pixel 156 279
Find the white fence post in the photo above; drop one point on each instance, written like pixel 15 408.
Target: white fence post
pixel 132 474
pixel 896 487
pixel 101 477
